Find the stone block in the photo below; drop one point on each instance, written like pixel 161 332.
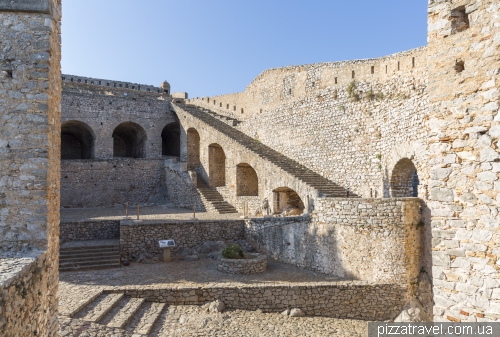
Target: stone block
pixel 42 6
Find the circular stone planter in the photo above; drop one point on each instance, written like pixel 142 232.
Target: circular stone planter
pixel 251 264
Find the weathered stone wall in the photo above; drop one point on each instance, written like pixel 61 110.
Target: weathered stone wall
pixel 251 264
pixel 350 136
pixel 180 189
pixel 99 183
pixel 30 98
pixel 28 300
pixel 376 240
pixel 135 237
pixel 464 159
pixel 354 300
pixel 89 230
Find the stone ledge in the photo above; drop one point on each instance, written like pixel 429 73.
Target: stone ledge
pixel 37 6
pixel 12 268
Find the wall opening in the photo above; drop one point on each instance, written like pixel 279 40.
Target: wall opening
pixel 353 74
pixel 459 20
pixel 171 140
pixel 335 80
pixel 129 140
pixel 247 183
pixel 216 166
pixel 399 66
pixel 287 200
pixel 193 149
pixel 413 62
pixel 404 180
pixel 373 70
pixel 77 141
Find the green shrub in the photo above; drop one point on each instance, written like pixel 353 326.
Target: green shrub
pixel 232 251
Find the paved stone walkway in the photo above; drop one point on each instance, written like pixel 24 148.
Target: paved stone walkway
pixel 78 289
pixel 147 213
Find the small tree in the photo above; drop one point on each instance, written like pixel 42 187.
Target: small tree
pixel 232 251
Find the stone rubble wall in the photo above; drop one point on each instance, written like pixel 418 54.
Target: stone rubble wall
pixel 249 265
pixel 376 240
pixel 104 183
pixel 28 300
pixel 180 190
pixel 464 161
pixel 89 230
pixel 71 80
pixel 138 237
pixel 354 300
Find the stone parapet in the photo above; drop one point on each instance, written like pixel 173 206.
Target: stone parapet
pixel 89 230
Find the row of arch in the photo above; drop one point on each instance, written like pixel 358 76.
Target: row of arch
pixel 129 140
pixel 247 181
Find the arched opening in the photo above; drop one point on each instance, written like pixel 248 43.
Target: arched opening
pixel 216 165
pixel 77 141
pixel 193 149
pixel 129 140
pixel 287 200
pixel 171 140
pixel 247 183
pixel 404 179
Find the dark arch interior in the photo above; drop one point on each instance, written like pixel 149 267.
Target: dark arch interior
pixel 404 180
pixel 171 140
pixel 77 141
pixel 129 140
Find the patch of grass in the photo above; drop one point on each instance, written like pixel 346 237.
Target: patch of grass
pixel 370 95
pixel 379 156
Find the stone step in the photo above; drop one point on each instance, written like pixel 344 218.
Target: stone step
pixel 103 307
pixel 87 260
pixel 91 248
pixel 149 318
pixel 126 313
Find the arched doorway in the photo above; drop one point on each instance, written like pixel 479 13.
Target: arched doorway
pixel 216 165
pixel 77 140
pixel 404 179
pixel 129 140
pixel 247 183
pixel 287 200
pixel 193 149
pixel 171 140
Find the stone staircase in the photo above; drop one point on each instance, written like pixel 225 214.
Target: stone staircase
pixel 115 310
pixel 325 187
pixel 75 256
pixel 225 119
pixel 213 200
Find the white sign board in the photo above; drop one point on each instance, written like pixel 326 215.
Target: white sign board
pixel 166 243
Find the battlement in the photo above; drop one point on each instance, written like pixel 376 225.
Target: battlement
pixel 112 84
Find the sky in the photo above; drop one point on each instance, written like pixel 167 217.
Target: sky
pixel 213 47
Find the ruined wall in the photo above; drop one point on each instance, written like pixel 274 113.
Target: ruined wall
pixel 464 158
pixel 349 133
pixel 99 183
pixel 376 240
pixel 180 189
pixel 30 97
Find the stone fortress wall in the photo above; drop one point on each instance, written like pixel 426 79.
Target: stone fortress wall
pixel 30 95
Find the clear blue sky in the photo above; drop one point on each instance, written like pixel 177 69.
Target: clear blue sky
pixel 211 47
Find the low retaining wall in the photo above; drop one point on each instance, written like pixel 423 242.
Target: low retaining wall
pixel 28 300
pixel 135 237
pixel 375 240
pixel 89 230
pixel 255 265
pixel 353 300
